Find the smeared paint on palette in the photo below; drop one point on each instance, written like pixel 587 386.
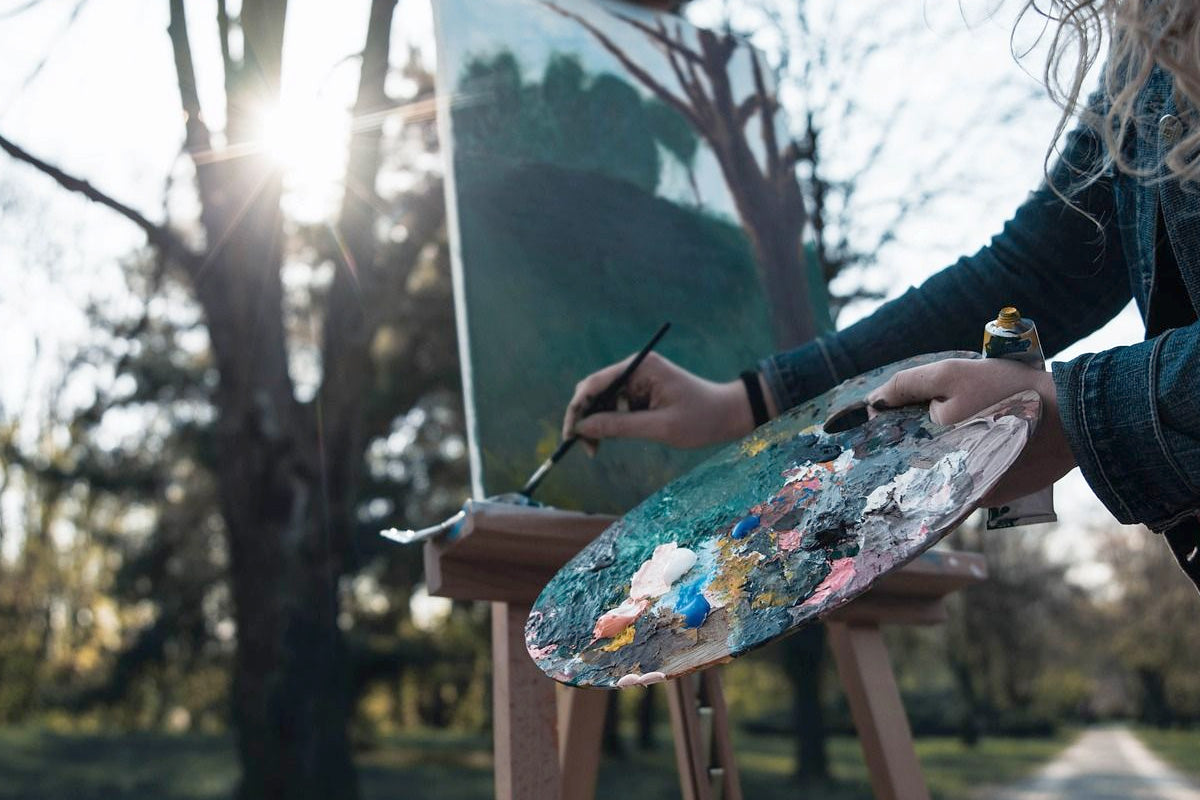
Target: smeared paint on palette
pixel 769 534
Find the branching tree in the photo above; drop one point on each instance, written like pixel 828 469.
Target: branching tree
pixel 765 190
pixel 289 470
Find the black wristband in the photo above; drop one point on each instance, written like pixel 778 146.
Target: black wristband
pixel 758 405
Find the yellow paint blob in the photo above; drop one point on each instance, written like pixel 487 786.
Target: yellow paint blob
pixel 754 446
pixel 726 586
pixel 620 640
pixel 766 600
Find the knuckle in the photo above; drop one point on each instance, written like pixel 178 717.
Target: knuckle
pixel 652 362
pixel 939 371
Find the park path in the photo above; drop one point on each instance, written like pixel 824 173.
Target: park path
pixel 1104 764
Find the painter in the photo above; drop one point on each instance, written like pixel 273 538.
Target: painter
pixel 1075 253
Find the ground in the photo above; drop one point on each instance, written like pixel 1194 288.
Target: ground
pixel 36 763
pixel 1179 748
pixel 1107 763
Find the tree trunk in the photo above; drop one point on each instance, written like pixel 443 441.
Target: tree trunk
pixel 803 654
pixel 611 735
pixel 767 196
pixel 645 717
pixel 291 684
pixel 290 687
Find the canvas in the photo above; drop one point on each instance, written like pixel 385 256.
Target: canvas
pixel 609 169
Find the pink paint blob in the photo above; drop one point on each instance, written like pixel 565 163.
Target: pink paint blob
pixel 838 577
pixel 618 619
pixel 789 540
pixel 538 653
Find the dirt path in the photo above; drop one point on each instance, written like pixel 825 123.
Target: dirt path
pixel 1105 764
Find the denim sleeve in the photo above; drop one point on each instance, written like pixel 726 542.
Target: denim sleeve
pixel 1132 420
pixel 1051 261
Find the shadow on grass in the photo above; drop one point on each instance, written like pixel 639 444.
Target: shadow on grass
pixel 40 764
pixel 35 763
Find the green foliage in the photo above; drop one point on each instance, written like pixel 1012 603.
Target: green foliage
pixel 1179 747
pixel 672 131
pixel 1154 636
pixel 542 221
pixel 570 119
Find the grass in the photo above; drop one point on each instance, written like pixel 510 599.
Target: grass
pixel 36 763
pixel 1179 748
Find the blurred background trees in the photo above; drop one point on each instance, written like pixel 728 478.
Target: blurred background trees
pixel 253 360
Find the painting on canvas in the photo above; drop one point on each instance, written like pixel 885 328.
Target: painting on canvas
pixel 608 169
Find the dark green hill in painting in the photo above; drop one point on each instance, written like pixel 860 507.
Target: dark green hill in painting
pixel 569 270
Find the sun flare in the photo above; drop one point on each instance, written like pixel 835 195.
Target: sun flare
pixel 307 139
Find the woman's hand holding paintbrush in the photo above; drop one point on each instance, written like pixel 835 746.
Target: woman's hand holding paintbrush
pixel 666 403
pixel 604 400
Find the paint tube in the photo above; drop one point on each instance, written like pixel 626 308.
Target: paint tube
pixel 1015 337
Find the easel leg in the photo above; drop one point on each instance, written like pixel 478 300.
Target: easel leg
pixel 883 731
pixel 703 744
pixel 524 716
pixel 580 726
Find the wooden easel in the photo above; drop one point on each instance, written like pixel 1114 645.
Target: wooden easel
pixel 547 737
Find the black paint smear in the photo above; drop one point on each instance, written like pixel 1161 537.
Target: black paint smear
pixel 810 447
pixel 601 554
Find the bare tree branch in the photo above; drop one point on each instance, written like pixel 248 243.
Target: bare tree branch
pixel 231 66
pixel 157 235
pixel 21 9
pixel 347 332
pixel 746 110
pixel 51 48
pixel 638 72
pixel 198 138
pixel 767 108
pixel 660 35
pixel 700 104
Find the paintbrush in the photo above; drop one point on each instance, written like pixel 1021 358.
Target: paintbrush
pixel 606 399
pixel 603 401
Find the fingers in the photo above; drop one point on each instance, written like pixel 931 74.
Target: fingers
pixel 588 388
pixel 655 424
pixel 910 386
pixel 947 386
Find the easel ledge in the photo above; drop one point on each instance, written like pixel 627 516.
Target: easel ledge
pixel 507 554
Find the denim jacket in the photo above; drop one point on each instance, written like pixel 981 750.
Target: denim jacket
pixel 1131 414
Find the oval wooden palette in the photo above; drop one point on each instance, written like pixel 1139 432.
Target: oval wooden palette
pixel 770 533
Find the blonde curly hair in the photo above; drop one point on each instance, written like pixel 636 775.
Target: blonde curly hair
pixel 1140 34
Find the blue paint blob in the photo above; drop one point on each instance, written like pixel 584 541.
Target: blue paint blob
pixel 745 526
pixel 692 606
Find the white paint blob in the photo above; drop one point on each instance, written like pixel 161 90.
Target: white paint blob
pixel 917 488
pixel 656 574
pixel 633 679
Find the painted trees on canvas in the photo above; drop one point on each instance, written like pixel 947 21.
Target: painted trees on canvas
pixel 765 190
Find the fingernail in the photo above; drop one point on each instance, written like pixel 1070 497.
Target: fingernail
pixel 880 405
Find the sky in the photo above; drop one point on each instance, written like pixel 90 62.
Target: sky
pixel 104 105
